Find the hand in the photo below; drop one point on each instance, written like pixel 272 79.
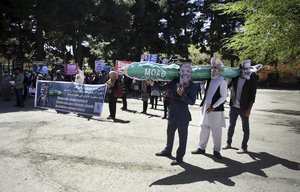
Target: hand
pixel 210 109
pixel 180 90
pixel 247 113
pixel 150 81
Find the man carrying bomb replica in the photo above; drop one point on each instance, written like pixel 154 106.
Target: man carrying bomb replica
pixel 212 111
pixel 183 94
pixel 242 98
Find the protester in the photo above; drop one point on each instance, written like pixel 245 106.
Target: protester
pixel 112 85
pixel 212 112
pixel 79 77
pixel 124 92
pixel 6 86
pixel 183 94
pixel 167 95
pixel 19 86
pixel 242 97
pixel 145 92
pixel 155 93
pixel 58 76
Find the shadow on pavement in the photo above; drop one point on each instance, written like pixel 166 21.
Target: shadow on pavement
pixel 193 173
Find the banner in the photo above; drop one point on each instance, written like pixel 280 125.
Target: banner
pixel 78 98
pixel 119 64
pixel 71 69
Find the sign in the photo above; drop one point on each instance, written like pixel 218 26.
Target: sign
pixel 40 67
pixel 99 65
pixel 149 57
pixel 78 98
pixel 119 64
pixel 71 69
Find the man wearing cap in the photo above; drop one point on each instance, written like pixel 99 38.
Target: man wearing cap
pixel 243 92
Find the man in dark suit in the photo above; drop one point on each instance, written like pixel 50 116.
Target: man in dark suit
pixel 243 92
pixel 183 94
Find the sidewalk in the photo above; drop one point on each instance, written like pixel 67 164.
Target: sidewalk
pixel 41 150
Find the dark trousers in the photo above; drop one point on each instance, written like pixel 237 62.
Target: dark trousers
pixel 19 97
pixel 112 104
pixel 166 108
pixel 233 115
pixel 182 128
pixel 145 106
pixel 124 101
pixel 153 101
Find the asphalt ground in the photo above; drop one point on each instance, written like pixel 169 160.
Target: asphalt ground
pixel 41 150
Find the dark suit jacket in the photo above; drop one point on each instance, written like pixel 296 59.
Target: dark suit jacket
pixel 179 104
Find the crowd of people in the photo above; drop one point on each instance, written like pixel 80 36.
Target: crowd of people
pixel 176 96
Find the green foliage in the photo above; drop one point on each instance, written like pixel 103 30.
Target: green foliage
pixel 270 32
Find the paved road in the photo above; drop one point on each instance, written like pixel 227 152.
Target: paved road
pixel 41 150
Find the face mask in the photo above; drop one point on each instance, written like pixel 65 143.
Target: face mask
pixel 252 69
pixel 185 74
pixel 215 71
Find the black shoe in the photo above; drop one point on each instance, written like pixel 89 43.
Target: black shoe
pixel 176 162
pixel 109 117
pixel 163 154
pixel 198 151
pixel 228 146
pixel 164 117
pixel 218 155
pixel 144 112
pixel 243 150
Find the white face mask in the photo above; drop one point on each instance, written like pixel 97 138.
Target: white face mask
pixel 252 69
pixel 215 71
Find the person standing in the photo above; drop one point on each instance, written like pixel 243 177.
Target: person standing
pixel 124 91
pixel 242 98
pixel 183 94
pixel 145 92
pixel 155 93
pixel 112 86
pixel 212 118
pixel 167 95
pixel 19 86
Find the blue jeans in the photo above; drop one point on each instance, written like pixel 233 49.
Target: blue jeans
pixel 233 115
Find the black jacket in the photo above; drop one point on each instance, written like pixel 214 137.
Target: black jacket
pixel 248 92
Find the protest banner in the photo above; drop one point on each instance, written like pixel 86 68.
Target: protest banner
pixel 78 98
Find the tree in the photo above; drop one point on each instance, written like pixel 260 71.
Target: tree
pixel 177 26
pixel 270 32
pixel 16 37
pixel 214 28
